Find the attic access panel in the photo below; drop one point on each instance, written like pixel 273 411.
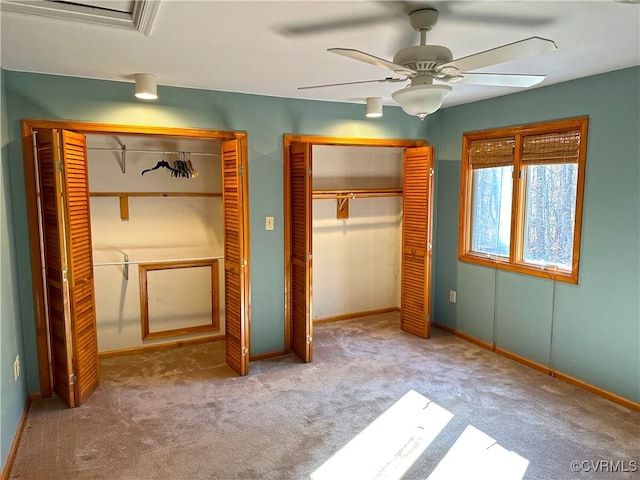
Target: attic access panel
pixel 138 15
pixel 124 6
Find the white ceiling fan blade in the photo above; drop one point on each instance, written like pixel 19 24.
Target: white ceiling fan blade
pixel 501 79
pixel 505 53
pixel 328 26
pixel 380 80
pixel 372 60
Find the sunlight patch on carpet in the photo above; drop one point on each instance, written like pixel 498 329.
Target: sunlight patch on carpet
pixel 388 446
pixel 476 455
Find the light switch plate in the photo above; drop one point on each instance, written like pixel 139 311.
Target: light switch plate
pixel 268 224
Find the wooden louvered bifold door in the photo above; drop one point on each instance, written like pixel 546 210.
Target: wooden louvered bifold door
pixel 416 241
pixel 78 232
pixel 62 169
pixel 236 293
pixel 54 264
pixel 300 262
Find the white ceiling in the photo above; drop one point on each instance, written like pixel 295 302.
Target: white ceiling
pixel 241 46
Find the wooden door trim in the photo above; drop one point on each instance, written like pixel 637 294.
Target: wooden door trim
pixel 138 130
pixel 46 388
pixel 28 127
pixel 287 140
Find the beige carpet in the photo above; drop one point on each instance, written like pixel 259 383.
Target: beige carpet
pixel 183 414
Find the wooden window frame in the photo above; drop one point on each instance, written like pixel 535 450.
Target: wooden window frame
pixel 175 332
pixel 515 262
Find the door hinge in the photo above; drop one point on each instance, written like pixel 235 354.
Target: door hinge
pixel 309 339
pixel 59 166
pixel 308 171
pixel 240 170
pixel 429 246
pixel 65 275
pixel 309 257
pixel 431 172
pixel 243 262
pixel 73 378
pixel 428 318
pixel 245 350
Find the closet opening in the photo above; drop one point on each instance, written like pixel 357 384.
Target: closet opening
pixel 157 240
pixel 357 233
pixel 139 240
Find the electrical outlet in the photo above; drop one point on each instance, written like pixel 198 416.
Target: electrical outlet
pixel 452 296
pixel 16 368
pixel 268 224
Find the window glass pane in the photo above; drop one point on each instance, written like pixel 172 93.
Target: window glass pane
pixel 550 214
pixel 491 210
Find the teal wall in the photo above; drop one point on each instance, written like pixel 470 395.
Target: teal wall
pixel 12 394
pixel 590 331
pixel 265 119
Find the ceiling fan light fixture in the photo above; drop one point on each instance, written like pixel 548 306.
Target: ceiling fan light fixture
pixel 374 107
pixel 146 86
pixel 421 100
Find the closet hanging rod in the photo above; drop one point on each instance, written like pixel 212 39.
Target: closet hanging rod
pixel 164 152
pixel 138 262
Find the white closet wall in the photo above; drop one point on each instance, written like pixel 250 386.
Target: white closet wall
pixel 158 229
pixel 356 261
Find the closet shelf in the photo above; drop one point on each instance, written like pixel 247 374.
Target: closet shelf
pixel 357 193
pixel 124 197
pixel 155 194
pixel 166 152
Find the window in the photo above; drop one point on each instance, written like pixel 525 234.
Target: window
pixel 521 198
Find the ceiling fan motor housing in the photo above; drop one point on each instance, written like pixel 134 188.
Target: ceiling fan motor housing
pixel 423 19
pixel 423 57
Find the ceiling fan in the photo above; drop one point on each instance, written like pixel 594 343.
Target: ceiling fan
pixel 423 64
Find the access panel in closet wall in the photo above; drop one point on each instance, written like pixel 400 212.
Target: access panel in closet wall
pixel 157 232
pixel 357 230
